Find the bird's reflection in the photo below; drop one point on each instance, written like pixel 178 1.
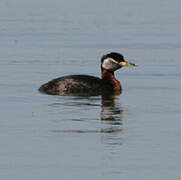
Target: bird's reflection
pixel 111 109
pixel 111 112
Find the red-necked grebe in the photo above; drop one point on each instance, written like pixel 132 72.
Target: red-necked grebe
pixel 78 84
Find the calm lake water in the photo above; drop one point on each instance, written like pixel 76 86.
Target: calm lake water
pixel 134 136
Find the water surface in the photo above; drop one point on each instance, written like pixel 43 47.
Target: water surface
pixel 132 136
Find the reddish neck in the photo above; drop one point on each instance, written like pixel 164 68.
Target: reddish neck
pixel 109 78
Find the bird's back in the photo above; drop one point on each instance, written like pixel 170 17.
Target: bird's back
pixel 73 84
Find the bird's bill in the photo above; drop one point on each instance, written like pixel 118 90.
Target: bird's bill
pixel 125 63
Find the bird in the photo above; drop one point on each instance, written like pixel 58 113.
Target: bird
pixel 90 85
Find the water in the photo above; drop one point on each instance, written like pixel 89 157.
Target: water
pixel 132 136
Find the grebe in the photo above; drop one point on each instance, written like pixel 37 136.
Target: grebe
pixel 85 84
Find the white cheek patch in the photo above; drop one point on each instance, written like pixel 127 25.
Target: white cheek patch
pixel 110 64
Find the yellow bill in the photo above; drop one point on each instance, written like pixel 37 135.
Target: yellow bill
pixel 125 63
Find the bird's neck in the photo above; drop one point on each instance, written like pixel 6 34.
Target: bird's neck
pixel 109 78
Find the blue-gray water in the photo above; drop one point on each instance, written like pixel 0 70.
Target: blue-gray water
pixel 134 136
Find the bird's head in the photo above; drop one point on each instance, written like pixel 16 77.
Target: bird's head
pixel 114 61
